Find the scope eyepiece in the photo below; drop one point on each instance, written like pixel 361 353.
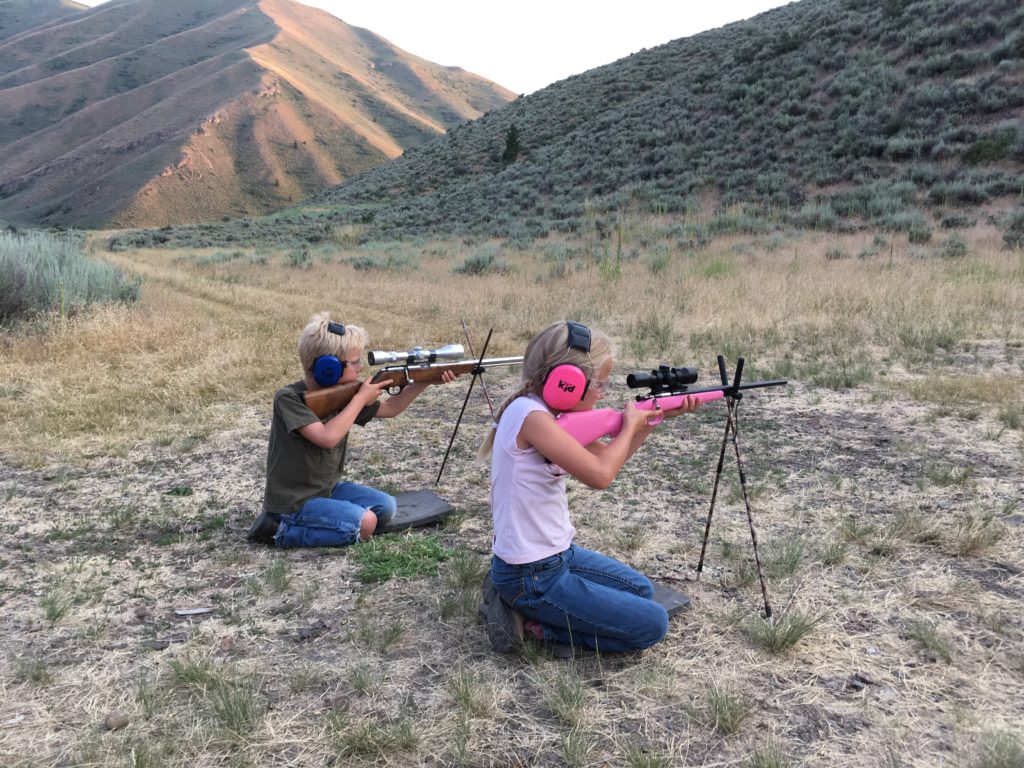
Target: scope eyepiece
pixel 662 378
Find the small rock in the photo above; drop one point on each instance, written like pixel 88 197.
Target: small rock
pixel 226 643
pixel 863 677
pixel 115 721
pixel 141 612
pixel 871 651
pixel 314 630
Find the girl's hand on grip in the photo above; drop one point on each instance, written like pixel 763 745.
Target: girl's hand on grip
pixel 638 422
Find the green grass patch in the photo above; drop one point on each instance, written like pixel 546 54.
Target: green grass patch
pixel 927 635
pixel 778 635
pixel 403 556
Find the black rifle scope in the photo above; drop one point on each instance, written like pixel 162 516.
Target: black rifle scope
pixel 663 378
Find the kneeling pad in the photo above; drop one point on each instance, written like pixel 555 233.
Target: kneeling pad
pixel 416 508
pixel 672 601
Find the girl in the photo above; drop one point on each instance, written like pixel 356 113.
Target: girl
pixel 539 580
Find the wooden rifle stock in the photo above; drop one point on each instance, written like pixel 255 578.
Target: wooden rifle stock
pixel 328 400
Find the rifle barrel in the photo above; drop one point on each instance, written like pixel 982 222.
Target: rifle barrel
pixel 724 388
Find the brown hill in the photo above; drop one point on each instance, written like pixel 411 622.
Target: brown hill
pixel 143 112
pixel 18 15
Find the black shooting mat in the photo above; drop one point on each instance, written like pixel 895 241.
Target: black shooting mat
pixel 416 508
pixel 671 600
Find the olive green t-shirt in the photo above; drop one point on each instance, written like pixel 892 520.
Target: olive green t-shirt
pixel 298 470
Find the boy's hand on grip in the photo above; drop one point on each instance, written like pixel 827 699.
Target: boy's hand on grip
pixel 371 390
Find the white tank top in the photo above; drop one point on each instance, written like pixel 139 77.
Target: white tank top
pixel 528 502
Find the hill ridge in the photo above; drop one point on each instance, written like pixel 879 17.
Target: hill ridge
pixel 90 138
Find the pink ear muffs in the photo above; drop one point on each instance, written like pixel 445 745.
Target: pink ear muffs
pixel 564 387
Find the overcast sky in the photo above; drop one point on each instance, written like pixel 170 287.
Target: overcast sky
pixel 527 44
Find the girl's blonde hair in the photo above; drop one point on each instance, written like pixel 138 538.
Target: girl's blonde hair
pixel 316 340
pixel 546 350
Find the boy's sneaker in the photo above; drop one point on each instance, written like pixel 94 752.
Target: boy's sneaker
pixel 504 625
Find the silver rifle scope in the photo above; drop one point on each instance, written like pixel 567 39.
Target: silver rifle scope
pixel 418 355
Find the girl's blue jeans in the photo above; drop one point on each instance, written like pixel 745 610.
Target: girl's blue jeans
pixel 584 598
pixel 334 521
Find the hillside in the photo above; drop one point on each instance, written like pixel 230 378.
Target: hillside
pixel 823 113
pixel 18 15
pixel 141 112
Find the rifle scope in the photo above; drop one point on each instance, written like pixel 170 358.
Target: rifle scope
pixel 417 355
pixel 663 378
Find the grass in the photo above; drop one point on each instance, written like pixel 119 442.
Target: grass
pixel 374 737
pixel 779 634
pixel 577 747
pixel 722 710
pixel 566 696
pixel 927 635
pixel 768 756
pixel 374 676
pixel 399 556
pixel 470 694
pixel 999 749
pixel 976 532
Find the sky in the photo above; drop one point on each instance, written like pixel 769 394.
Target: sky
pixel 525 45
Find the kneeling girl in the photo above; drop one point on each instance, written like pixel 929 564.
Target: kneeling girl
pixel 566 594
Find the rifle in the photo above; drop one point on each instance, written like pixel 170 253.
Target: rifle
pixel 418 365
pixel 668 387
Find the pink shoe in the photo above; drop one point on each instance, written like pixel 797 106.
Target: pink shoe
pixel 534 628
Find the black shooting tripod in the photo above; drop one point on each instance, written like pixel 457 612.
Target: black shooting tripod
pixel 734 395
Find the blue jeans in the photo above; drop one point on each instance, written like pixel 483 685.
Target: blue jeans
pixel 334 521
pixel 584 598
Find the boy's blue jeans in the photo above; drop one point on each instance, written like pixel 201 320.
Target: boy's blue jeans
pixel 334 521
pixel 584 598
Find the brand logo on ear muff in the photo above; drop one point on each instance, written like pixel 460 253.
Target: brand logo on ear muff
pixel 566 386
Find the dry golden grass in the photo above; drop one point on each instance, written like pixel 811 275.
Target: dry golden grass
pixel 133 449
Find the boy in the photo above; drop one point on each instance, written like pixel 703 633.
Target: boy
pixel 304 504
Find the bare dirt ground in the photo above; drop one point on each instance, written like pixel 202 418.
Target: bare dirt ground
pixel 896 526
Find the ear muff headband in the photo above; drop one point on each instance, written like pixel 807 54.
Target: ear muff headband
pixel 578 336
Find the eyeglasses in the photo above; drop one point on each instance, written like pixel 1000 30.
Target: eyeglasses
pixel 600 385
pixel 357 364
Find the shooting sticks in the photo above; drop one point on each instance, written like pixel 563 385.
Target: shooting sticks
pixel 478 371
pixel 733 396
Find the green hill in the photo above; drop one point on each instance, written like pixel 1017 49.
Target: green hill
pixel 832 114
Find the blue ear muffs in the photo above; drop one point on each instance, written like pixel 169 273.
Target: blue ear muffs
pixel 327 370
pixel 566 384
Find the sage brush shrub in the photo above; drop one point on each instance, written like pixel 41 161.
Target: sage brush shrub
pixel 1013 237
pixel 485 261
pixel 42 273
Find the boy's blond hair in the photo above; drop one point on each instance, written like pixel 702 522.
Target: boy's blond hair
pixel 316 340
pixel 548 349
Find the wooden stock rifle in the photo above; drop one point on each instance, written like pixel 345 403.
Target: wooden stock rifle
pixel 418 365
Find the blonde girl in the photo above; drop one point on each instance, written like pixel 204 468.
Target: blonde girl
pixel 540 581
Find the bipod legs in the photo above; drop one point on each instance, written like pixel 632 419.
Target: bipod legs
pixel 732 435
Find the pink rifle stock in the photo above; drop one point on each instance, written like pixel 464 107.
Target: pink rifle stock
pixel 588 426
